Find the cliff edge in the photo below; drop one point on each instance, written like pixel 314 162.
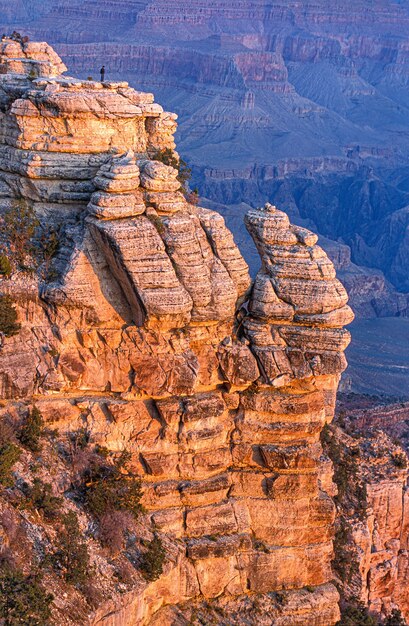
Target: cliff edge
pixel 145 332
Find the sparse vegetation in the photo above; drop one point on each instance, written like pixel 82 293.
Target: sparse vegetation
pixel 32 430
pixel 112 528
pixel 400 460
pixel 5 266
pixel 394 619
pixel 356 615
pixel 168 157
pixel 26 243
pixel 350 486
pixel 71 557
pixel 8 317
pixel 110 486
pixel 153 559
pixel 23 601
pixel 40 497
pixel 9 455
pixel 47 242
pixel 18 227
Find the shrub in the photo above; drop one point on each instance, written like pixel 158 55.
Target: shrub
pixel 18 228
pixel 71 556
pixel 47 243
pixel 394 619
pixel 108 488
pixel 8 317
pixel 356 615
pixel 17 549
pixel 5 265
pixel 400 460
pixel 80 439
pixel 40 496
pixel 7 431
pixel 351 488
pixel 93 596
pixel 112 527
pixel 124 572
pixel 23 601
pixel 345 562
pixel 152 561
pixel 9 455
pixel 32 430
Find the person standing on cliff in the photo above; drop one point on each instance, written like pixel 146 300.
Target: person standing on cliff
pixel 102 70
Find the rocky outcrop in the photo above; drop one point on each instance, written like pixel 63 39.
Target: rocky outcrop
pixel 284 72
pixel 371 471
pixel 151 337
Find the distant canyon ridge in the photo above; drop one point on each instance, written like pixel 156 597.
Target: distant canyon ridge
pixel 300 103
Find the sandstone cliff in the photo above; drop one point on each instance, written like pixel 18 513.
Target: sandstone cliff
pixel 149 335
pixel 371 473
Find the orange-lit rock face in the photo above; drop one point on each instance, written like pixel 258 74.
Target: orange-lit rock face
pixel 153 338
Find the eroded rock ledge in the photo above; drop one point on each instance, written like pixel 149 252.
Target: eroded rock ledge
pixel 152 337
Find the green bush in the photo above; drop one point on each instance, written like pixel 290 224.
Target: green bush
pixel 152 561
pixel 40 496
pixel 8 317
pixel 18 228
pixel 110 487
pixel 23 601
pixel 47 243
pixel 9 455
pixel 394 619
pixel 356 615
pixel 32 430
pixel 5 265
pixel 71 557
pixel 400 460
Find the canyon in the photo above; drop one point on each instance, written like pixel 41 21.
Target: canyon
pixel 299 103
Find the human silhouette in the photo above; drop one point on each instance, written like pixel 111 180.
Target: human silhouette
pixel 102 70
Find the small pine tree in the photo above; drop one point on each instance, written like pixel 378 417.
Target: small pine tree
pixel 111 487
pixel 9 455
pixel 18 228
pixel 356 615
pixel 72 557
pixel 40 496
pixel 394 619
pixel 23 601
pixel 152 561
pixel 32 430
pixel 8 317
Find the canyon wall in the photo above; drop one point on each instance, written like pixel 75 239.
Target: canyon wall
pixel 148 332
pixel 369 450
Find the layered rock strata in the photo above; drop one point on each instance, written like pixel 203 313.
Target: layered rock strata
pixel 152 337
pixel 372 541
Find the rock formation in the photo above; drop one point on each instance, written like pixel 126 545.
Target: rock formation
pixel 150 335
pixel 372 537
